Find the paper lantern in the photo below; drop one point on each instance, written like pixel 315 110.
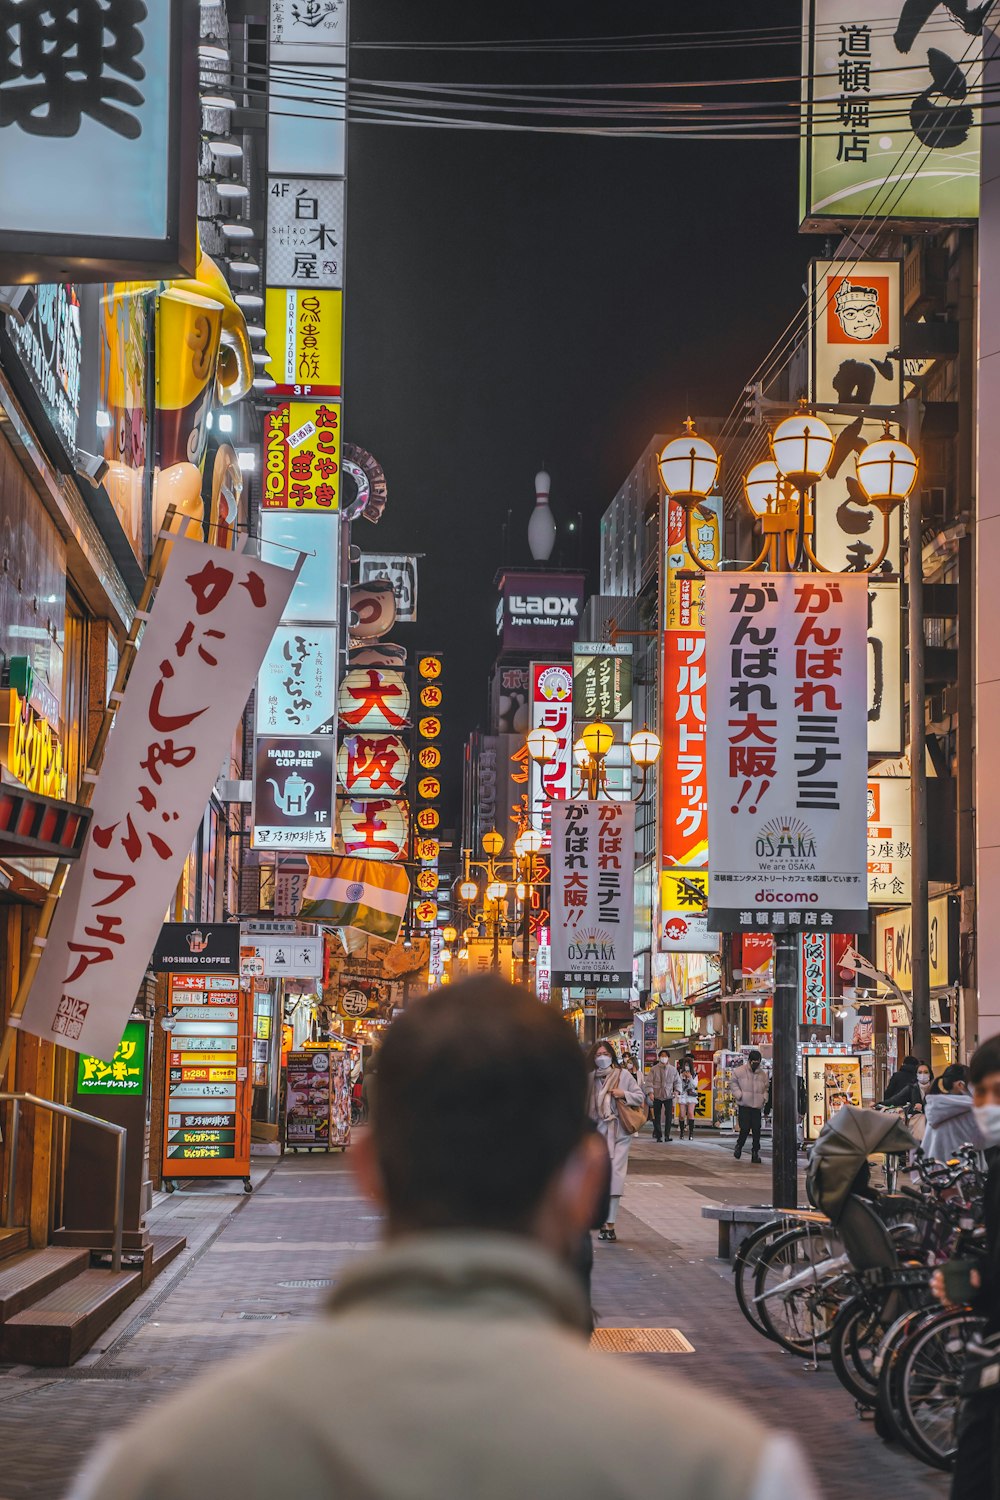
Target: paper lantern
pixel 371 698
pixel 373 765
pixel 374 827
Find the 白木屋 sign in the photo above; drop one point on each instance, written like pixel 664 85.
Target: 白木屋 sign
pixel 211 620
pixel 592 867
pixel 787 753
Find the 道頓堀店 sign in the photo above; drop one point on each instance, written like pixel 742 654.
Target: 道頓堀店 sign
pixel 787 753
pixel 890 113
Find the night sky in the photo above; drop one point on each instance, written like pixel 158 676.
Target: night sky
pixel 520 298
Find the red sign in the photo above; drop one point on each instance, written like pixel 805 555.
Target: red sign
pixel 685 779
pixel 551 708
pixel 814 979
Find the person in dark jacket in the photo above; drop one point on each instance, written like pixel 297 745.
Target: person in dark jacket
pixel 904 1076
pixel 911 1095
pixel 977 1463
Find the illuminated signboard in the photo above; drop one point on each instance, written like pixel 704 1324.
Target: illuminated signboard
pixel 539 611
pixel 123 1074
pixel 304 338
pixel 302 456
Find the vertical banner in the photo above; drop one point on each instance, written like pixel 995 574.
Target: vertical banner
pixel 593 863
pixel 787 757
pixel 814 979
pixel 890 122
pixel 551 707
pixel 212 618
pixel 856 319
pixel 208 1092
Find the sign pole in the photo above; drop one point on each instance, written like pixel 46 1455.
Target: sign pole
pixel 919 918
pixel 156 565
pixel 784 1092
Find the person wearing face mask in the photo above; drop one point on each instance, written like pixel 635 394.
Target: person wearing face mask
pixel 911 1096
pixel 664 1085
pixel 750 1087
pixel 977 1463
pixel 609 1086
pixel 950 1115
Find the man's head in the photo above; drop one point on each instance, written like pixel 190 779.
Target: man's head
pixel 984 1072
pixel 479 1122
pixel 955 1079
pixel 753 1058
pixel 664 1055
pixel 909 1061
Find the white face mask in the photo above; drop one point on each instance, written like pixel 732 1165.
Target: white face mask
pixel 988 1119
pixel 923 1078
pixel 602 1062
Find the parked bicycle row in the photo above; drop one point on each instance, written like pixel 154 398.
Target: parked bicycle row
pixel 897 1283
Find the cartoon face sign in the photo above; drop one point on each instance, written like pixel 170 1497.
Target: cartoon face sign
pixel 858 312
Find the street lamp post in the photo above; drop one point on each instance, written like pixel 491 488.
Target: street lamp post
pixel 778 496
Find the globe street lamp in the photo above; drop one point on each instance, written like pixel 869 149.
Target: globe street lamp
pixel 528 842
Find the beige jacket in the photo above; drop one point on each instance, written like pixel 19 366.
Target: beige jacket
pixel 453 1367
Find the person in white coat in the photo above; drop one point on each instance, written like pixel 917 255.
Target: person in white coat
pixel 948 1111
pixel 611 1084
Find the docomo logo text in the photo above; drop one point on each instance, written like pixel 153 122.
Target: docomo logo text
pixel 553 606
pixel 787 898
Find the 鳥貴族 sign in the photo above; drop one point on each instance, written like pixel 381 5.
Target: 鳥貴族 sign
pixel 592 873
pixel 212 617
pixel 787 752
pixel 304 338
pixel 197 948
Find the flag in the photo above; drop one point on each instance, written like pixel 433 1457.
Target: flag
pixel 365 893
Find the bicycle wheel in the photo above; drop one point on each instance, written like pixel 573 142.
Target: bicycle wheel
pixel 745 1264
pixel 800 1319
pixel 932 1364
pixel 854 1340
pixel 888 1422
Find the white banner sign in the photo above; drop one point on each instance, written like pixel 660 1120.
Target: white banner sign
pixel 214 613
pixel 593 867
pixel 305 232
pixel 289 958
pixel 297 682
pixel 787 754
pixel 890 851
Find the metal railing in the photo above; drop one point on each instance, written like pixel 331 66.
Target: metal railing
pixel 16 1100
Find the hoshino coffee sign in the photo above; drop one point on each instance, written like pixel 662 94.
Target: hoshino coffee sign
pixel 537 610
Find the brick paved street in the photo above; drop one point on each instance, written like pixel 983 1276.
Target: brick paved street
pixel 240 1285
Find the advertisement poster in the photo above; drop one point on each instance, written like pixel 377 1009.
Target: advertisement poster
pixel 602 681
pixel 592 893
pixel 297 682
pixel 122 1074
pixel 831 1081
pixel 787 752
pixel 889 120
pixel 539 611
pixel 704 1067
pixel 302 456
pixel 308 1099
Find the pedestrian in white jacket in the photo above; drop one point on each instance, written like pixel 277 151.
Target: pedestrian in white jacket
pixel 951 1122
pixel 609 1085
pixel 749 1084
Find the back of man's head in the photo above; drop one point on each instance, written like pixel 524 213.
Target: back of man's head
pixel 481 1100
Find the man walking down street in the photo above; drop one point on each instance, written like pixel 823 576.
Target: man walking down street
pixel 464 1336
pixel 749 1084
pixel 664 1084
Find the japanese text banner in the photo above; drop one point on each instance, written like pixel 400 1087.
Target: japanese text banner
pixel 211 622
pixel 593 865
pixel 787 751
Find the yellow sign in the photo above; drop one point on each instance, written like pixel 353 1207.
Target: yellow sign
pixel 30 749
pixel 682 889
pixel 428 787
pixel 429 666
pixel 428 818
pixel 428 849
pixel 302 456
pixel 305 334
pixel 429 758
pixel 762 1022
pixel 429 728
pixel 427 880
pixel 426 911
pixel 431 696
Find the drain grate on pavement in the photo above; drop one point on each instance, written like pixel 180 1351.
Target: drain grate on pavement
pixel 123 1372
pixel 640 1341
pixel 315 1283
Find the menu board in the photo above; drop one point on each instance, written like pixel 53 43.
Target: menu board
pixel 832 1080
pixel 207 1115
pixel 318 1099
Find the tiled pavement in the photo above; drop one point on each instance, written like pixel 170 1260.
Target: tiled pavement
pixel 236 1287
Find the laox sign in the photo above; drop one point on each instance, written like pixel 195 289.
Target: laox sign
pixel 550 605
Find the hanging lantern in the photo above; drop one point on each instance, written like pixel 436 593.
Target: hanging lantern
pixel 374 699
pixel 427 881
pixel 428 788
pixel 373 765
pixel 374 827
